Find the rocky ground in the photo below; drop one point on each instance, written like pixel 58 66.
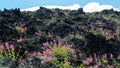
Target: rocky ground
pixel 88 33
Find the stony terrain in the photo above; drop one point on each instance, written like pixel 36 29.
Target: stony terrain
pixel 88 34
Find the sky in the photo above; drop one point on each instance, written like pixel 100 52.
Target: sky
pixel 64 4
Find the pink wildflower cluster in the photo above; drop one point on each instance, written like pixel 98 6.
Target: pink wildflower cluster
pixel 48 50
pixel 73 53
pixel 45 54
pixel 37 54
pixel 46 44
pixel 46 58
pixel 12 47
pixel 87 61
pixel 103 56
pixel 66 47
pixel 7 46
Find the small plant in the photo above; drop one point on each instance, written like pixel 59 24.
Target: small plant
pixel 57 53
pixel 20 29
pixel 87 61
pixel 8 51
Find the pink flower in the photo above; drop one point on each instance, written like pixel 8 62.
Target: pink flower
pixel 85 62
pixel 47 52
pixel 34 54
pixel 7 45
pixel 51 42
pixel 49 33
pixel 75 56
pixel 54 42
pixel 47 58
pixel 2 47
pixel 54 46
pixel 50 52
pixel 95 56
pixel 119 57
pixel 39 54
pixel 20 39
pixel 12 47
pixel 72 51
pixel 59 41
pixel 104 56
pixel 111 67
pixel 43 48
pixel 46 44
pixel 26 52
pixel 111 55
pixel 98 56
pixel 96 66
pixel 90 60
pixel 64 47
pixel 36 33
